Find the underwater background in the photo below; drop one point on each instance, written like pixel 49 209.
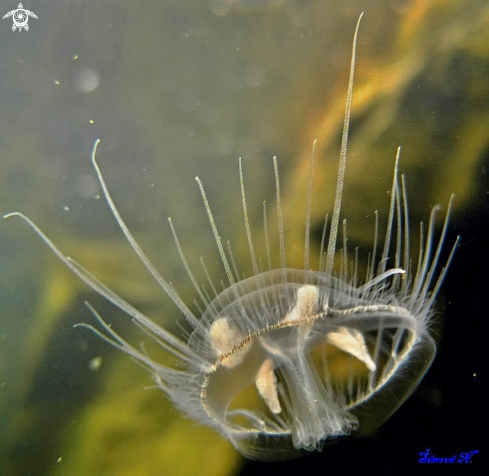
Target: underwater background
pixel 179 88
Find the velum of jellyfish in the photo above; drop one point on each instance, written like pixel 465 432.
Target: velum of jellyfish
pixel 290 359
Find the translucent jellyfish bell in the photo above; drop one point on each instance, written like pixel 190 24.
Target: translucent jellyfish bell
pixel 316 364
pixel 290 359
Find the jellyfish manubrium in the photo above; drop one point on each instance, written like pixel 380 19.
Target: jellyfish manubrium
pixel 287 360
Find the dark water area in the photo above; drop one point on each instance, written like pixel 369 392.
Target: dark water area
pixel 179 88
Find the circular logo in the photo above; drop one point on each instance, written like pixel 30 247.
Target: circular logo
pixel 20 17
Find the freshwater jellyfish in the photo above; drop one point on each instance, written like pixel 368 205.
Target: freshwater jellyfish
pixel 290 359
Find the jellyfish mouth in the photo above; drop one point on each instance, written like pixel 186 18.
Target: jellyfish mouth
pixel 295 358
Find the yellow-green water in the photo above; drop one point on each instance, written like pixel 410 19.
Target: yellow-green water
pixel 183 90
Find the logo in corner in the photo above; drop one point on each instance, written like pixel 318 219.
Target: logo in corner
pixel 20 16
